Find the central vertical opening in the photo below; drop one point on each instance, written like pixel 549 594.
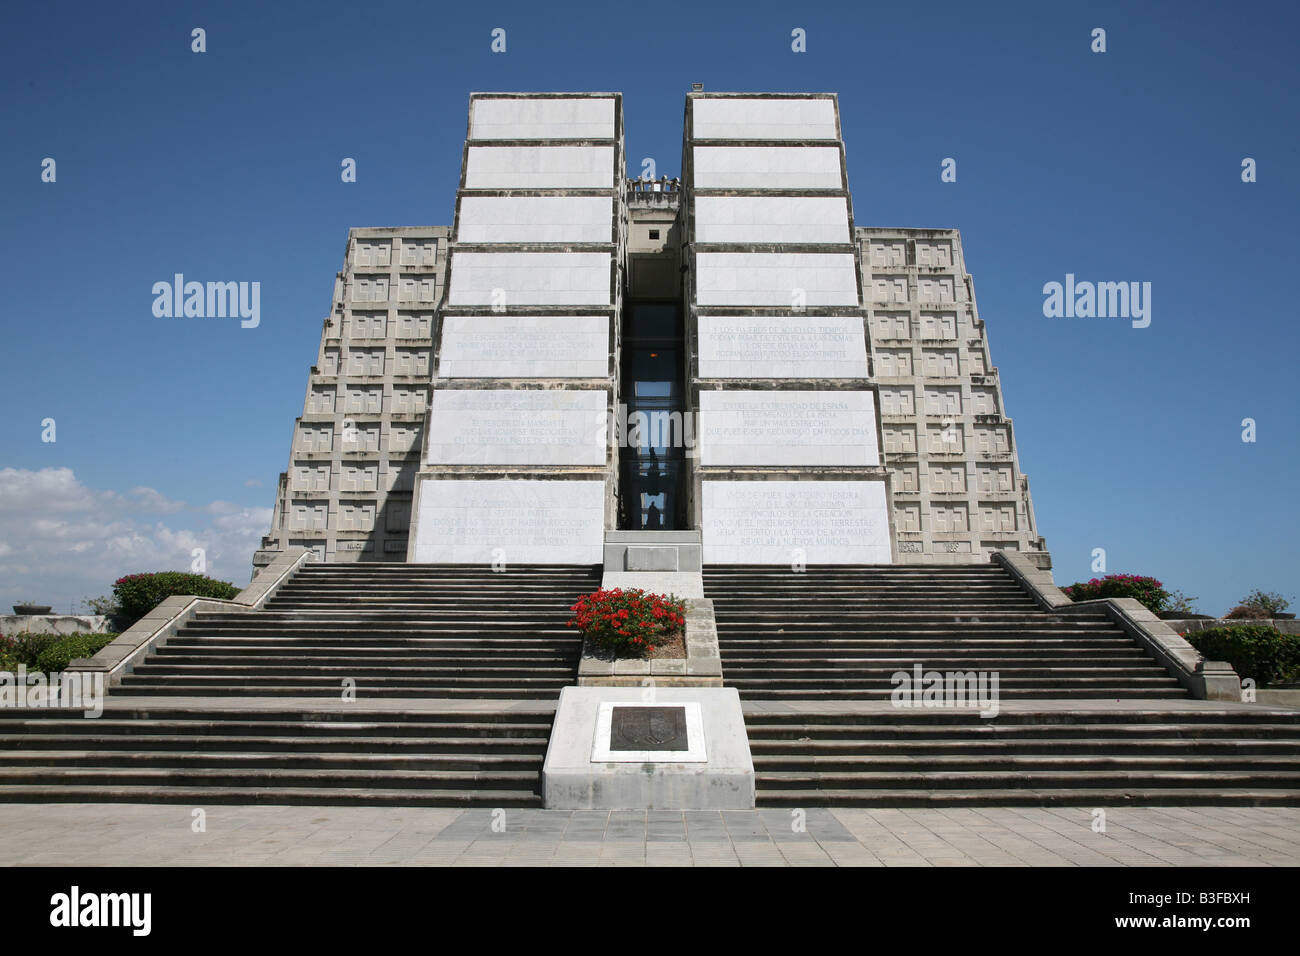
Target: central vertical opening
pixel 652 455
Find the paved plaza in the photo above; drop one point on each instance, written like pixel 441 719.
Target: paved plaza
pixel 164 835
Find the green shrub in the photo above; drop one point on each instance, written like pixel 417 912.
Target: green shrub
pixel 138 594
pixel 66 648
pixel 28 646
pixel 1254 650
pixel 1148 591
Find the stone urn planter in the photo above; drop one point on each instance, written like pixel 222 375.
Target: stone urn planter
pixel 31 609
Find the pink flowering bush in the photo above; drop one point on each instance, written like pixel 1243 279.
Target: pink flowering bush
pixel 1146 590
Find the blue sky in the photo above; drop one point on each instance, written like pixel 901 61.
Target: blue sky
pixel 224 165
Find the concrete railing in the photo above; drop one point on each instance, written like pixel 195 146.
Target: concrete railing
pixel 119 658
pixel 1206 680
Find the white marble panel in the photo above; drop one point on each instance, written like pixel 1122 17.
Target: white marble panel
pixel 767 167
pixel 530 278
pixel 782 346
pixel 787 219
pixel 774 278
pixel 540 167
pixel 524 346
pixel 530 117
pixel 781 522
pixel 743 118
pixel 535 219
pixel 519 522
pixel 517 427
pixel 788 428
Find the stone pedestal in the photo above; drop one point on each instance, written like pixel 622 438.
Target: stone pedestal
pixel 653 748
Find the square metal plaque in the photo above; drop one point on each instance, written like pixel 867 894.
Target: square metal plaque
pixel 633 732
pixel 648 728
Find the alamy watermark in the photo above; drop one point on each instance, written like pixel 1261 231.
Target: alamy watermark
pixel 211 300
pixel 71 690
pixel 922 688
pixel 652 429
pixel 124 910
pixel 1102 300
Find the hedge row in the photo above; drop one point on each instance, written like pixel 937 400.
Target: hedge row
pixel 48 653
pixel 1257 651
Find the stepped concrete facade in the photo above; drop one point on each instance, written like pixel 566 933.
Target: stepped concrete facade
pixel 580 356
pixel 355 449
pixel 718 386
pixel 958 491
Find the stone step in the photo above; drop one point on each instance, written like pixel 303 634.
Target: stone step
pixel 1052 693
pixel 209 794
pixel 268 777
pixel 853 749
pixel 1081 678
pixel 254 678
pixel 423 724
pixel 834 769
pixel 775 594
pixel 430 691
pixel 798 618
pixel 907 640
pixel 1036 779
pixel 272 655
pixel 855 570
pixel 515 764
pixel 495 669
pixel 1008 675
pixel 770 721
pixel 256 741
pixel 943 658
pixel 476 617
pixel 770 794
pixel 255 628
pixel 449 647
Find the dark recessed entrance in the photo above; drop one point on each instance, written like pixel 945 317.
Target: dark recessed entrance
pixel 652 454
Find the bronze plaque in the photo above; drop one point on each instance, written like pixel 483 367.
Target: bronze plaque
pixel 648 728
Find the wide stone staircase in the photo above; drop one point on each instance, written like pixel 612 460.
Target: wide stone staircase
pixel 839 633
pixel 401 630
pixel 1085 715
pixel 358 684
pixel 1133 755
pixel 203 753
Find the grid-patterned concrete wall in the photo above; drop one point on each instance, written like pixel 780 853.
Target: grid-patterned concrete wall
pixel 789 468
pixel 958 492
pixel 347 493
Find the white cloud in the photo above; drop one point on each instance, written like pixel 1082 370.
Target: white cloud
pixel 147 499
pixel 61 541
